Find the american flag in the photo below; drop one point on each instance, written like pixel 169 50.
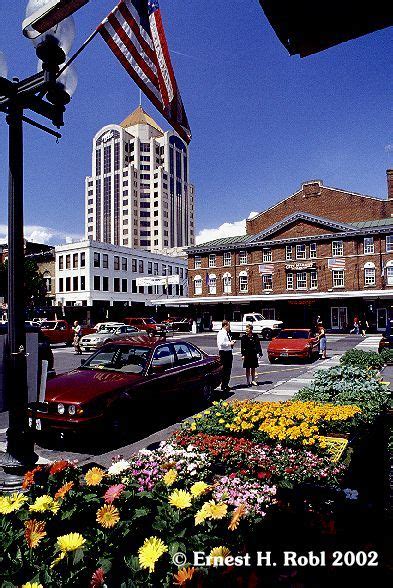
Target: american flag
pixel 135 33
pixel 334 263
pixel 266 268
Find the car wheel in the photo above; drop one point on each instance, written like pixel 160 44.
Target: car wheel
pixel 69 343
pixel 267 334
pixel 272 359
pixel 310 356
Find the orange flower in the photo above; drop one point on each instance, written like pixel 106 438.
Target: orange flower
pixel 59 466
pixel 183 576
pixel 34 532
pixel 108 515
pixel 63 490
pixel 237 515
pixel 94 476
pixel 28 479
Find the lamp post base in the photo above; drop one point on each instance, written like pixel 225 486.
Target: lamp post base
pixel 14 468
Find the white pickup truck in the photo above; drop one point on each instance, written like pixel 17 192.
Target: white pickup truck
pixel 266 329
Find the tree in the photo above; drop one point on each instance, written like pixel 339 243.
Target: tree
pixel 35 290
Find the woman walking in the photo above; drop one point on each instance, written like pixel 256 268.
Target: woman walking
pixel 250 350
pixel 322 341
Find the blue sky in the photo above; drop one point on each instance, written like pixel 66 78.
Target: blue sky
pixel 263 122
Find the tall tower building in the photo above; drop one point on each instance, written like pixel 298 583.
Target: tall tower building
pixel 139 194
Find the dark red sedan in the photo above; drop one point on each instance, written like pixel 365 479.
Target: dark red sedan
pixel 293 343
pixel 127 382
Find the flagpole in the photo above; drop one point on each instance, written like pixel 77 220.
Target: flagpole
pixel 81 48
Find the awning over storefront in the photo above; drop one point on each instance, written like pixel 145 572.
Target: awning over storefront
pixel 305 27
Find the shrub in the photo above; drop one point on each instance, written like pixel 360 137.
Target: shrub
pixel 365 359
pixel 387 355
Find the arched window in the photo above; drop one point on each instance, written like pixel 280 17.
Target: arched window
pixel 369 274
pixel 212 284
pixel 243 281
pixel 47 281
pixel 227 283
pixel 197 285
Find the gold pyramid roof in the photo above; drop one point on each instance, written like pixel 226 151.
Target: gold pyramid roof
pixel 140 117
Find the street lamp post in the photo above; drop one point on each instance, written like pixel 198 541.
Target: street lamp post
pixel 46 94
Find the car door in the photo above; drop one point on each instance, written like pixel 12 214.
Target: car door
pixel 191 372
pixel 162 381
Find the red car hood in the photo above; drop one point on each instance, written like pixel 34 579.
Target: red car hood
pixel 290 344
pixel 80 386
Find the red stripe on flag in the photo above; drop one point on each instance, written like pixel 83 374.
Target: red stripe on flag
pixel 134 26
pixel 165 50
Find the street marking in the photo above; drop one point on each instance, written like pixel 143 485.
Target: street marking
pixel 269 372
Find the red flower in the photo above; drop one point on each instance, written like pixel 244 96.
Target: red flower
pixel 289 470
pixel 28 479
pixel 264 475
pixel 59 466
pixel 98 578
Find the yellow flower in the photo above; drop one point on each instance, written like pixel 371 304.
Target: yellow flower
pixel 236 516
pixel 12 503
pixel 44 503
pixel 198 488
pixel 34 532
pixel 193 427
pixel 221 421
pixel 94 476
pixel 170 477
pixel 211 510
pixel 150 552
pixel 70 542
pixel 108 515
pixel 180 499
pixel 32 585
pixel 221 552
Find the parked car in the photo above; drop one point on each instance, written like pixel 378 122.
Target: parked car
pixel 293 343
pixel 147 324
pixel 106 334
pixel 127 381
pixel 61 331
pixel 99 326
pixel 265 328
pixel 182 325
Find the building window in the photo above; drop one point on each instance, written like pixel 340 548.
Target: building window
pixel 75 284
pixel 140 266
pixel 149 268
pixel 369 277
pixel 301 251
pixel 368 245
pixel 389 275
pixel 389 243
pixel 61 284
pixel 197 285
pixel 338 278
pixel 288 252
pixel 290 281
pixel 96 262
pixel 97 283
pixel 227 259
pixel 337 248
pixel 267 254
pixel 212 260
pixel 313 250
pixel 83 283
pixel 116 262
pixel 242 257
pixel 163 270
pixel 212 284
pixel 116 284
pixel 68 284
pixel 227 283
pixel 124 264
pixel 243 283
pixel 83 259
pixel 197 262
pixel 105 284
pixel 61 262
pixel 313 279
pixel 68 261
pixel 267 282
pixel 105 260
pixel 124 285
pixel 301 280
pixel 75 260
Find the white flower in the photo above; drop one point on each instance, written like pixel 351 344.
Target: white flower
pixel 118 466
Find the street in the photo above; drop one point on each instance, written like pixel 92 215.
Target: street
pixel 275 382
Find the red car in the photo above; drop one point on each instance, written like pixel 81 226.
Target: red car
pixel 147 324
pixel 126 382
pixel 293 343
pixel 61 331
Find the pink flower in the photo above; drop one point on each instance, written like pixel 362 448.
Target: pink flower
pixel 113 492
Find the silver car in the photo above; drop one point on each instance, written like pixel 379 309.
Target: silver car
pixel 106 335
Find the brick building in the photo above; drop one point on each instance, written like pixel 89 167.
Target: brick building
pixel 321 251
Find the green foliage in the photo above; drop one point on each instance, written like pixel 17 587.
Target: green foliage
pixel 387 355
pixel 349 385
pixel 35 289
pixel 365 359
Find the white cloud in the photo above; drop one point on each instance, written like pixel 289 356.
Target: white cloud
pixel 225 230
pixel 389 147
pixel 39 234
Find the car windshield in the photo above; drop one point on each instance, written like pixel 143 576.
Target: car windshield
pixel 128 359
pixel 108 330
pixel 150 321
pixel 48 325
pixel 293 335
pixel 258 317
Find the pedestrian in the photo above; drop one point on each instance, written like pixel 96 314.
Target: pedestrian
pixel 356 328
pixel 363 325
pixel 322 341
pixel 225 346
pixel 250 350
pixel 77 337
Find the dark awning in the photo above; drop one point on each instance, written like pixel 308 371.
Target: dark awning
pixel 308 26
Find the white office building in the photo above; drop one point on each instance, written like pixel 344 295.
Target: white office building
pixel 95 274
pixel 139 194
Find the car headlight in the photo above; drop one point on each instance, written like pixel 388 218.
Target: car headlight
pixel 60 408
pixel 72 409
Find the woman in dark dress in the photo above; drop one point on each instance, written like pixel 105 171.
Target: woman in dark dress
pixel 250 350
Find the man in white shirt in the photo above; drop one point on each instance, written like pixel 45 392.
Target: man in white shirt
pixel 225 346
